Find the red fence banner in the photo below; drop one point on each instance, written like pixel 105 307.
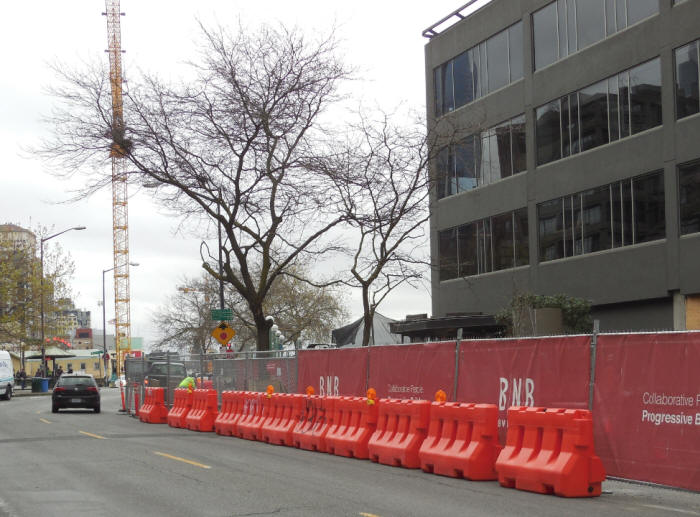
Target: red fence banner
pixel 647 407
pixel 334 372
pixel 412 371
pixel 547 372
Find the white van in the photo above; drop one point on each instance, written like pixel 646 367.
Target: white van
pixel 7 375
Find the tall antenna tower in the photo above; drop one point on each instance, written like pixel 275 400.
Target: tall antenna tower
pixel 120 203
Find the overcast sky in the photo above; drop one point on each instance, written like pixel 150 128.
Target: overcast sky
pixel 382 38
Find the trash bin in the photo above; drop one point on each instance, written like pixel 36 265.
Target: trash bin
pixel 44 385
pixel 36 384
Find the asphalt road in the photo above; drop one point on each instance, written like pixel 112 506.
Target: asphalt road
pixel 80 463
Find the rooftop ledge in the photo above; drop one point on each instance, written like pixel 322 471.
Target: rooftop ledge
pixel 454 17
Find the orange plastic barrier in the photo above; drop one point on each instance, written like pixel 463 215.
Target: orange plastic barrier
pixel 462 441
pixel 550 451
pixel 354 421
pixel 285 410
pixel 230 412
pixel 182 405
pixel 153 410
pixel 401 428
pixel 205 407
pixel 315 421
pixel 255 410
pixel 208 384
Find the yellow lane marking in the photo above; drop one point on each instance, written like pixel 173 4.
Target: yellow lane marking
pixel 93 435
pixel 368 514
pixel 177 458
pixel 44 420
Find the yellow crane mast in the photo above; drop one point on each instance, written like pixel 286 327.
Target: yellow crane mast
pixel 120 206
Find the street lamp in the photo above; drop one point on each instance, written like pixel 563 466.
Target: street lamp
pixel 41 280
pixel 104 319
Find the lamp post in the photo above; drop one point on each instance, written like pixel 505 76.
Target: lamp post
pixel 41 292
pixel 104 319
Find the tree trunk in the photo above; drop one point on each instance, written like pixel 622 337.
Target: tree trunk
pixel 368 317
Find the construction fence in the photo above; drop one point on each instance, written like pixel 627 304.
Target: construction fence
pixel 643 388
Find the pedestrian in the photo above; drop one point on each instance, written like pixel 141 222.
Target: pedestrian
pixel 187 383
pixel 22 377
pixel 59 371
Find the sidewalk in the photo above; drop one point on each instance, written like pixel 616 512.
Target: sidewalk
pixel 27 391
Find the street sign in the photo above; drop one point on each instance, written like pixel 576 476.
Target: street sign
pixel 223 333
pixel 222 314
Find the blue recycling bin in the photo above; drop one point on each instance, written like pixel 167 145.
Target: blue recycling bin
pixel 44 384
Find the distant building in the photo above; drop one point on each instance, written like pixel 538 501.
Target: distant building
pixel 20 238
pixel 577 170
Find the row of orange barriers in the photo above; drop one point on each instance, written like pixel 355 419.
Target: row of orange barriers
pixel 547 450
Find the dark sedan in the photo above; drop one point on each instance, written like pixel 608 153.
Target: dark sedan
pixel 75 390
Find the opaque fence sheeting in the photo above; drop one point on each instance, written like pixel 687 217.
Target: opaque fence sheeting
pixel 646 407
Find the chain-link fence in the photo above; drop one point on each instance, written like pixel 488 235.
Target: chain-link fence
pixel 247 371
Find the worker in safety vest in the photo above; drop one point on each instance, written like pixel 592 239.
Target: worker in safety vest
pixel 187 382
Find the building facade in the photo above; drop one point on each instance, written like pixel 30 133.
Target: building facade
pixel 572 160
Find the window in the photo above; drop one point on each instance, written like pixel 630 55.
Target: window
pixel 490 244
pixel 689 197
pixel 604 112
pixel 590 20
pixel 566 26
pixel 687 79
pixel 448 254
pixel 645 96
pixel 96 366
pixel 593 102
pixel 484 68
pixel 548 132
pixel 620 214
pixel 482 158
pixel 544 24
pixel 497 59
pixel 82 366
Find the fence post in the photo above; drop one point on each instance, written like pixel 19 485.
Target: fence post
pixel 594 345
pixel 456 382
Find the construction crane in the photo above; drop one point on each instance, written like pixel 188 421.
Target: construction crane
pixel 120 204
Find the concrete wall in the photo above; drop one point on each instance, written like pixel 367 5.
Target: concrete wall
pixel 644 273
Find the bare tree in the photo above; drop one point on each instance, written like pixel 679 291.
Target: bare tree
pixel 236 146
pixel 300 310
pixel 387 192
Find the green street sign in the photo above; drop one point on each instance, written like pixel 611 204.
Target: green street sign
pixel 96 352
pixel 222 314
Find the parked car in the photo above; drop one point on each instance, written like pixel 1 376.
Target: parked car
pixel 163 374
pixel 75 390
pixel 7 375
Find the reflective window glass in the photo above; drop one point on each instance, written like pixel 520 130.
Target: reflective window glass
pixel 624 104
pixel 467 250
pixel 649 218
pixel 548 133
pixel 438 91
pixel 522 248
pixel 621 14
pixel 503 150
pixel 515 50
pixel 448 98
pixel 462 80
pixel 590 20
pixel 645 96
pixel 503 245
pixel 550 224
pixel 637 10
pixel 570 27
pixel 464 164
pixel 484 255
pixel 544 23
pixel 442 172
pixel 518 142
pixel 448 253
pixel 610 28
pixel 593 105
pixel 689 197
pixel 613 111
pixel 497 58
pixel 687 90
pixel 595 213
pixel 475 60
